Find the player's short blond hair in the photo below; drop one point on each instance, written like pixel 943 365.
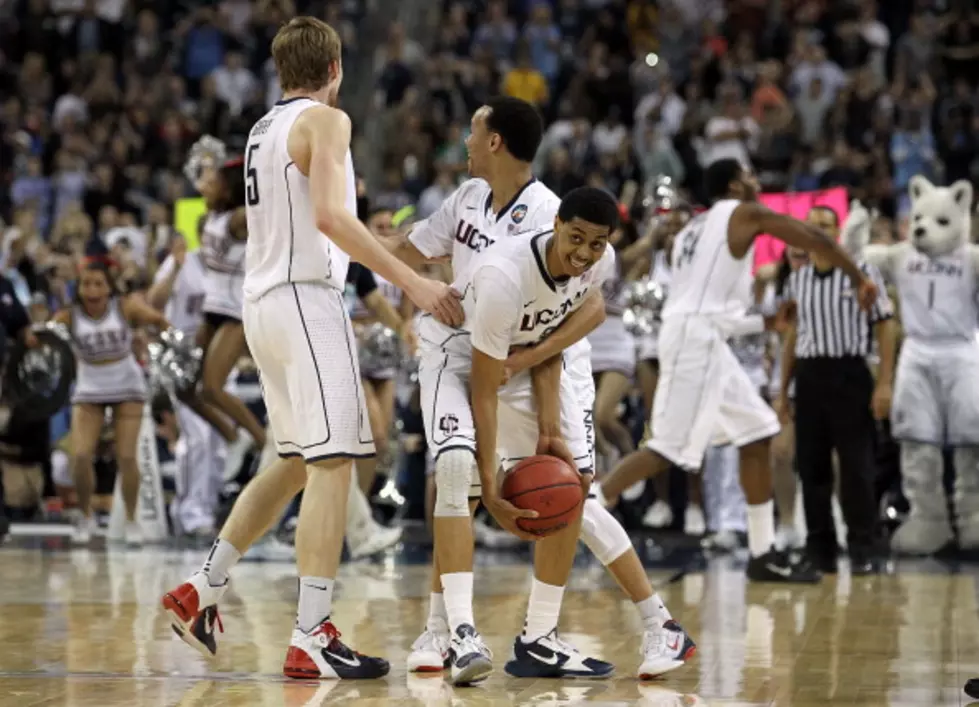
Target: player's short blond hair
pixel 303 51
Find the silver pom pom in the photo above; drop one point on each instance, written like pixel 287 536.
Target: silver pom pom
pixel 175 362
pixel 378 347
pixel 644 300
pixel 206 152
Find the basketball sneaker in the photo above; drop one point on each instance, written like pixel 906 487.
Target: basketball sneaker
pixel 430 652
pixel 320 654
pixel 194 612
pixel 470 661
pixel 84 529
pixel 551 657
pixel 665 649
pixel 775 566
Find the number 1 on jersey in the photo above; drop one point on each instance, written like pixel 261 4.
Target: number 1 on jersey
pixel 931 294
pixel 251 177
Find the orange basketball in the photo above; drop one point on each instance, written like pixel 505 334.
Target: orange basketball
pixel 547 485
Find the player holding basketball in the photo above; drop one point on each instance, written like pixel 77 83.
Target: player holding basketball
pixel 300 187
pixel 704 396
pixel 502 199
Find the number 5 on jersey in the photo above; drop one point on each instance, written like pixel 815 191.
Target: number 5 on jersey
pixel 251 177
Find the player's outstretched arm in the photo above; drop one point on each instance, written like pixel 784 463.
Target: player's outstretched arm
pixel 582 322
pixel 324 135
pixel 749 220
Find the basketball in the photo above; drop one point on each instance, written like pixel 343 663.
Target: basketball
pixel 547 485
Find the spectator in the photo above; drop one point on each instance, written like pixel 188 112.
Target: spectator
pixel 233 83
pixel 912 150
pixel 525 82
pixel 609 135
pixel 915 50
pixel 543 39
pixel 812 106
pixel 497 34
pixel 732 133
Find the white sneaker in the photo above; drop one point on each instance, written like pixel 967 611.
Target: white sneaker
pixel 470 661
pixel 659 515
pixel 377 540
pixel 635 491
pixel 133 534
pixel 235 455
pixel 665 649
pixel 429 652
pixel 84 528
pixel 693 521
pixel 271 550
pixel 491 538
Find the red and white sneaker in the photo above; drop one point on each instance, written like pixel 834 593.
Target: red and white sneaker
pixel 194 612
pixel 320 654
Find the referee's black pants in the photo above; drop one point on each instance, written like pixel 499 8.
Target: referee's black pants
pixel 832 411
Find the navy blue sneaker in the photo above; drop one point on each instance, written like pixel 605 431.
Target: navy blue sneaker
pixel 551 657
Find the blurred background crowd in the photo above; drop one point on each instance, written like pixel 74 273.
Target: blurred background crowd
pixel 100 101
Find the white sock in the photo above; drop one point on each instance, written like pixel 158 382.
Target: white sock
pixel 438 618
pixel 543 610
pixel 761 528
pixel 220 560
pixel 315 602
pixel 653 612
pixel 457 591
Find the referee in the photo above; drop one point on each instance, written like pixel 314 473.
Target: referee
pixel 836 400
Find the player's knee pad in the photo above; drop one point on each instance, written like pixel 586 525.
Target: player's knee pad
pixel 602 533
pixel 453 476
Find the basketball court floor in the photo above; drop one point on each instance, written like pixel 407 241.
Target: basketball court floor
pixel 83 628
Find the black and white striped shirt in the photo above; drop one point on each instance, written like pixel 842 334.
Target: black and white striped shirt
pixel 829 321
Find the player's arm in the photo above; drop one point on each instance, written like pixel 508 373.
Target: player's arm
pixel 496 313
pixel 326 132
pixel 401 247
pixel 136 310
pixel 238 224
pixel 159 293
pixel 885 332
pixel 582 322
pixel 788 354
pixel 750 220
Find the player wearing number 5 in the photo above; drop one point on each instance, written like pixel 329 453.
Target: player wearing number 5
pixel 704 396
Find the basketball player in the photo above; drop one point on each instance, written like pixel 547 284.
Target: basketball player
pixel 299 188
pixel 515 294
pixel 704 396
pixel 501 199
pixel 178 290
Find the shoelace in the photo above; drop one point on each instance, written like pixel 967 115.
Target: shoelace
pixel 215 618
pixel 562 644
pixel 326 634
pixel 475 644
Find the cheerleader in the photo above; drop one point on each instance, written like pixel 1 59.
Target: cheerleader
pixel 108 376
pixel 378 300
pixel 222 337
pixel 179 289
pixel 613 357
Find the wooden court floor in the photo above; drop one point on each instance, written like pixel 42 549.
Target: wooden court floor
pixel 82 628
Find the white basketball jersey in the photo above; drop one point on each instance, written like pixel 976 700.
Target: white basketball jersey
pixel 938 296
pixel 224 258
pixel 185 307
pixel 465 226
pixel 660 272
pixel 545 303
pixel 284 244
pixel 707 280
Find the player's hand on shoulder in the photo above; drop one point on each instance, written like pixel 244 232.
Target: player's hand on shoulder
pixel 507 514
pixel 439 300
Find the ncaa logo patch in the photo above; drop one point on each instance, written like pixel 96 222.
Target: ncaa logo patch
pixel 519 213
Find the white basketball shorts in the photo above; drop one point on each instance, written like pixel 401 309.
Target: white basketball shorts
pixel 936 393
pixel 704 396
pixel 300 337
pixel 577 367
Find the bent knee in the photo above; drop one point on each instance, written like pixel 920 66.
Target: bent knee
pixel 453 478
